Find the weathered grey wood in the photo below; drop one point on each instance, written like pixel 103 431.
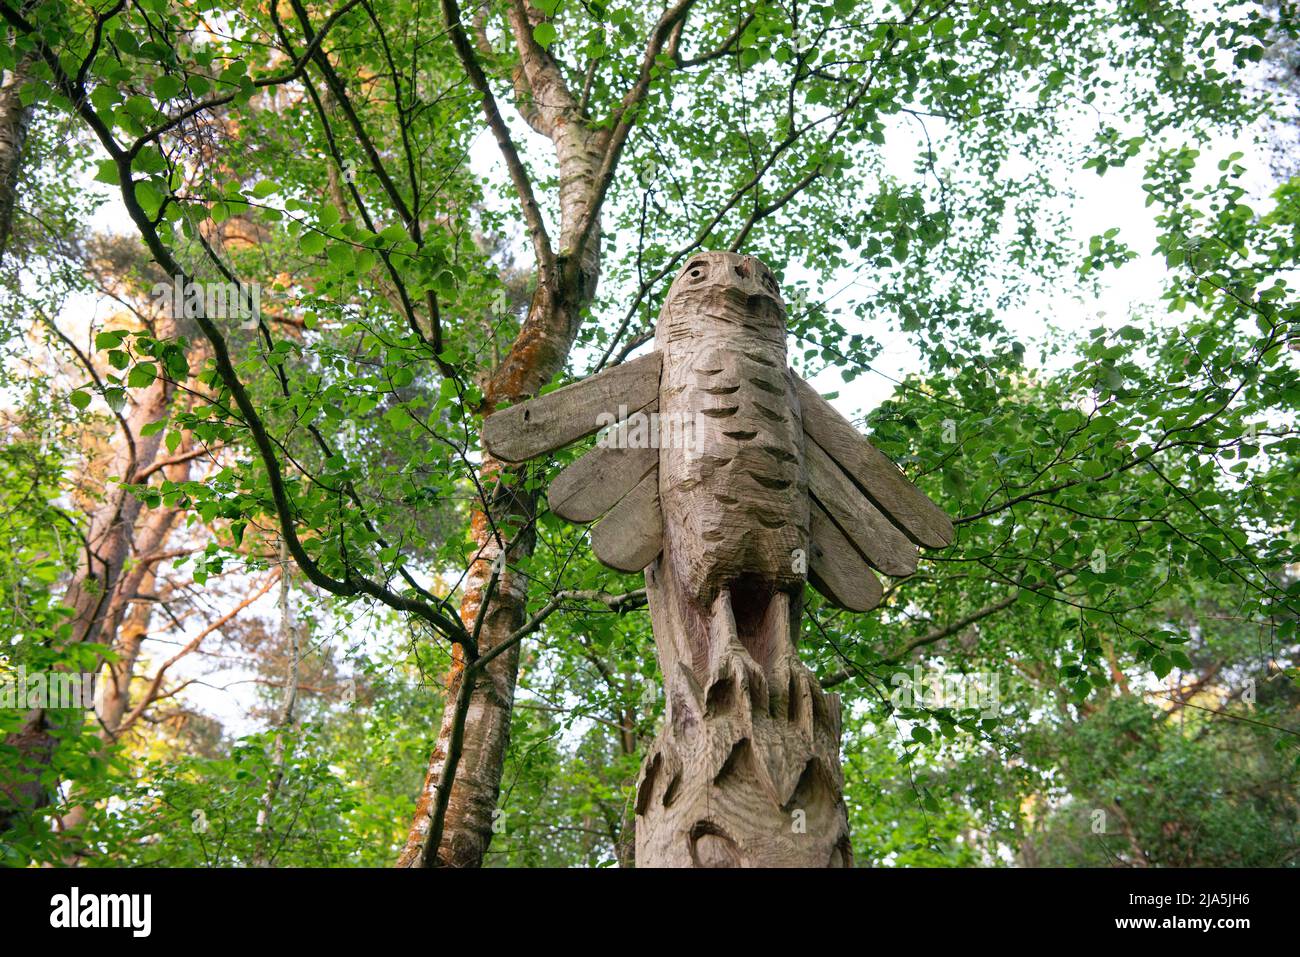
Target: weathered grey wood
pixel 595 483
pixel 873 535
pixel 566 415
pixel 836 569
pixel 630 537
pixel 888 488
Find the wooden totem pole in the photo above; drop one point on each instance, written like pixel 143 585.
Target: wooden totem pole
pixel 731 483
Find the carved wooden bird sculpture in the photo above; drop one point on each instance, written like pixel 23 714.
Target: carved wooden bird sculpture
pixel 731 482
pixel 759 466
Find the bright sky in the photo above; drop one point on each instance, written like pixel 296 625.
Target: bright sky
pixel 1115 199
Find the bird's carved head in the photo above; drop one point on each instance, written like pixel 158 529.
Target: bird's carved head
pixel 723 293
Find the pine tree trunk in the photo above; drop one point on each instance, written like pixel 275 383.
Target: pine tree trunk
pixel 109 540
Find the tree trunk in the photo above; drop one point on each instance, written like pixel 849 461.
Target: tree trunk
pixel 586 155
pixel 103 559
pixel 129 622
pixel 746 770
pixel 131 619
pixel 467 828
pixel 537 355
pixel 15 120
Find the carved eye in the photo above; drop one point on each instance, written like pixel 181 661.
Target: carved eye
pixel 769 282
pixel 697 270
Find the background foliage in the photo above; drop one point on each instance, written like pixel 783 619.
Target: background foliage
pixel 1124 580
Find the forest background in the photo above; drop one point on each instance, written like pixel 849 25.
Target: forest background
pixel 1045 254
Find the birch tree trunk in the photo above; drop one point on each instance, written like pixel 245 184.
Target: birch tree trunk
pixel 566 284
pixel 587 153
pixel 15 120
pixel 467 831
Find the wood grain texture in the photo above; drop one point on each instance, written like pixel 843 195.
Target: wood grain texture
pixel 595 483
pixel 745 771
pixel 760 487
pixel 736 502
pixel 630 536
pixel 566 415
pixel 836 569
pixel 875 537
pixel 879 479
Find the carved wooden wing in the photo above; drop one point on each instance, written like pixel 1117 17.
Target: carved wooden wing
pixel 613 480
pixel 864 512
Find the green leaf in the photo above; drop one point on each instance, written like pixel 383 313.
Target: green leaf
pixel 107 173
pixel 340 255
pixel 104 97
pixel 79 399
pixel 1067 421
pixel 167 86
pixel 311 243
pixel 142 375
pixel 544 34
